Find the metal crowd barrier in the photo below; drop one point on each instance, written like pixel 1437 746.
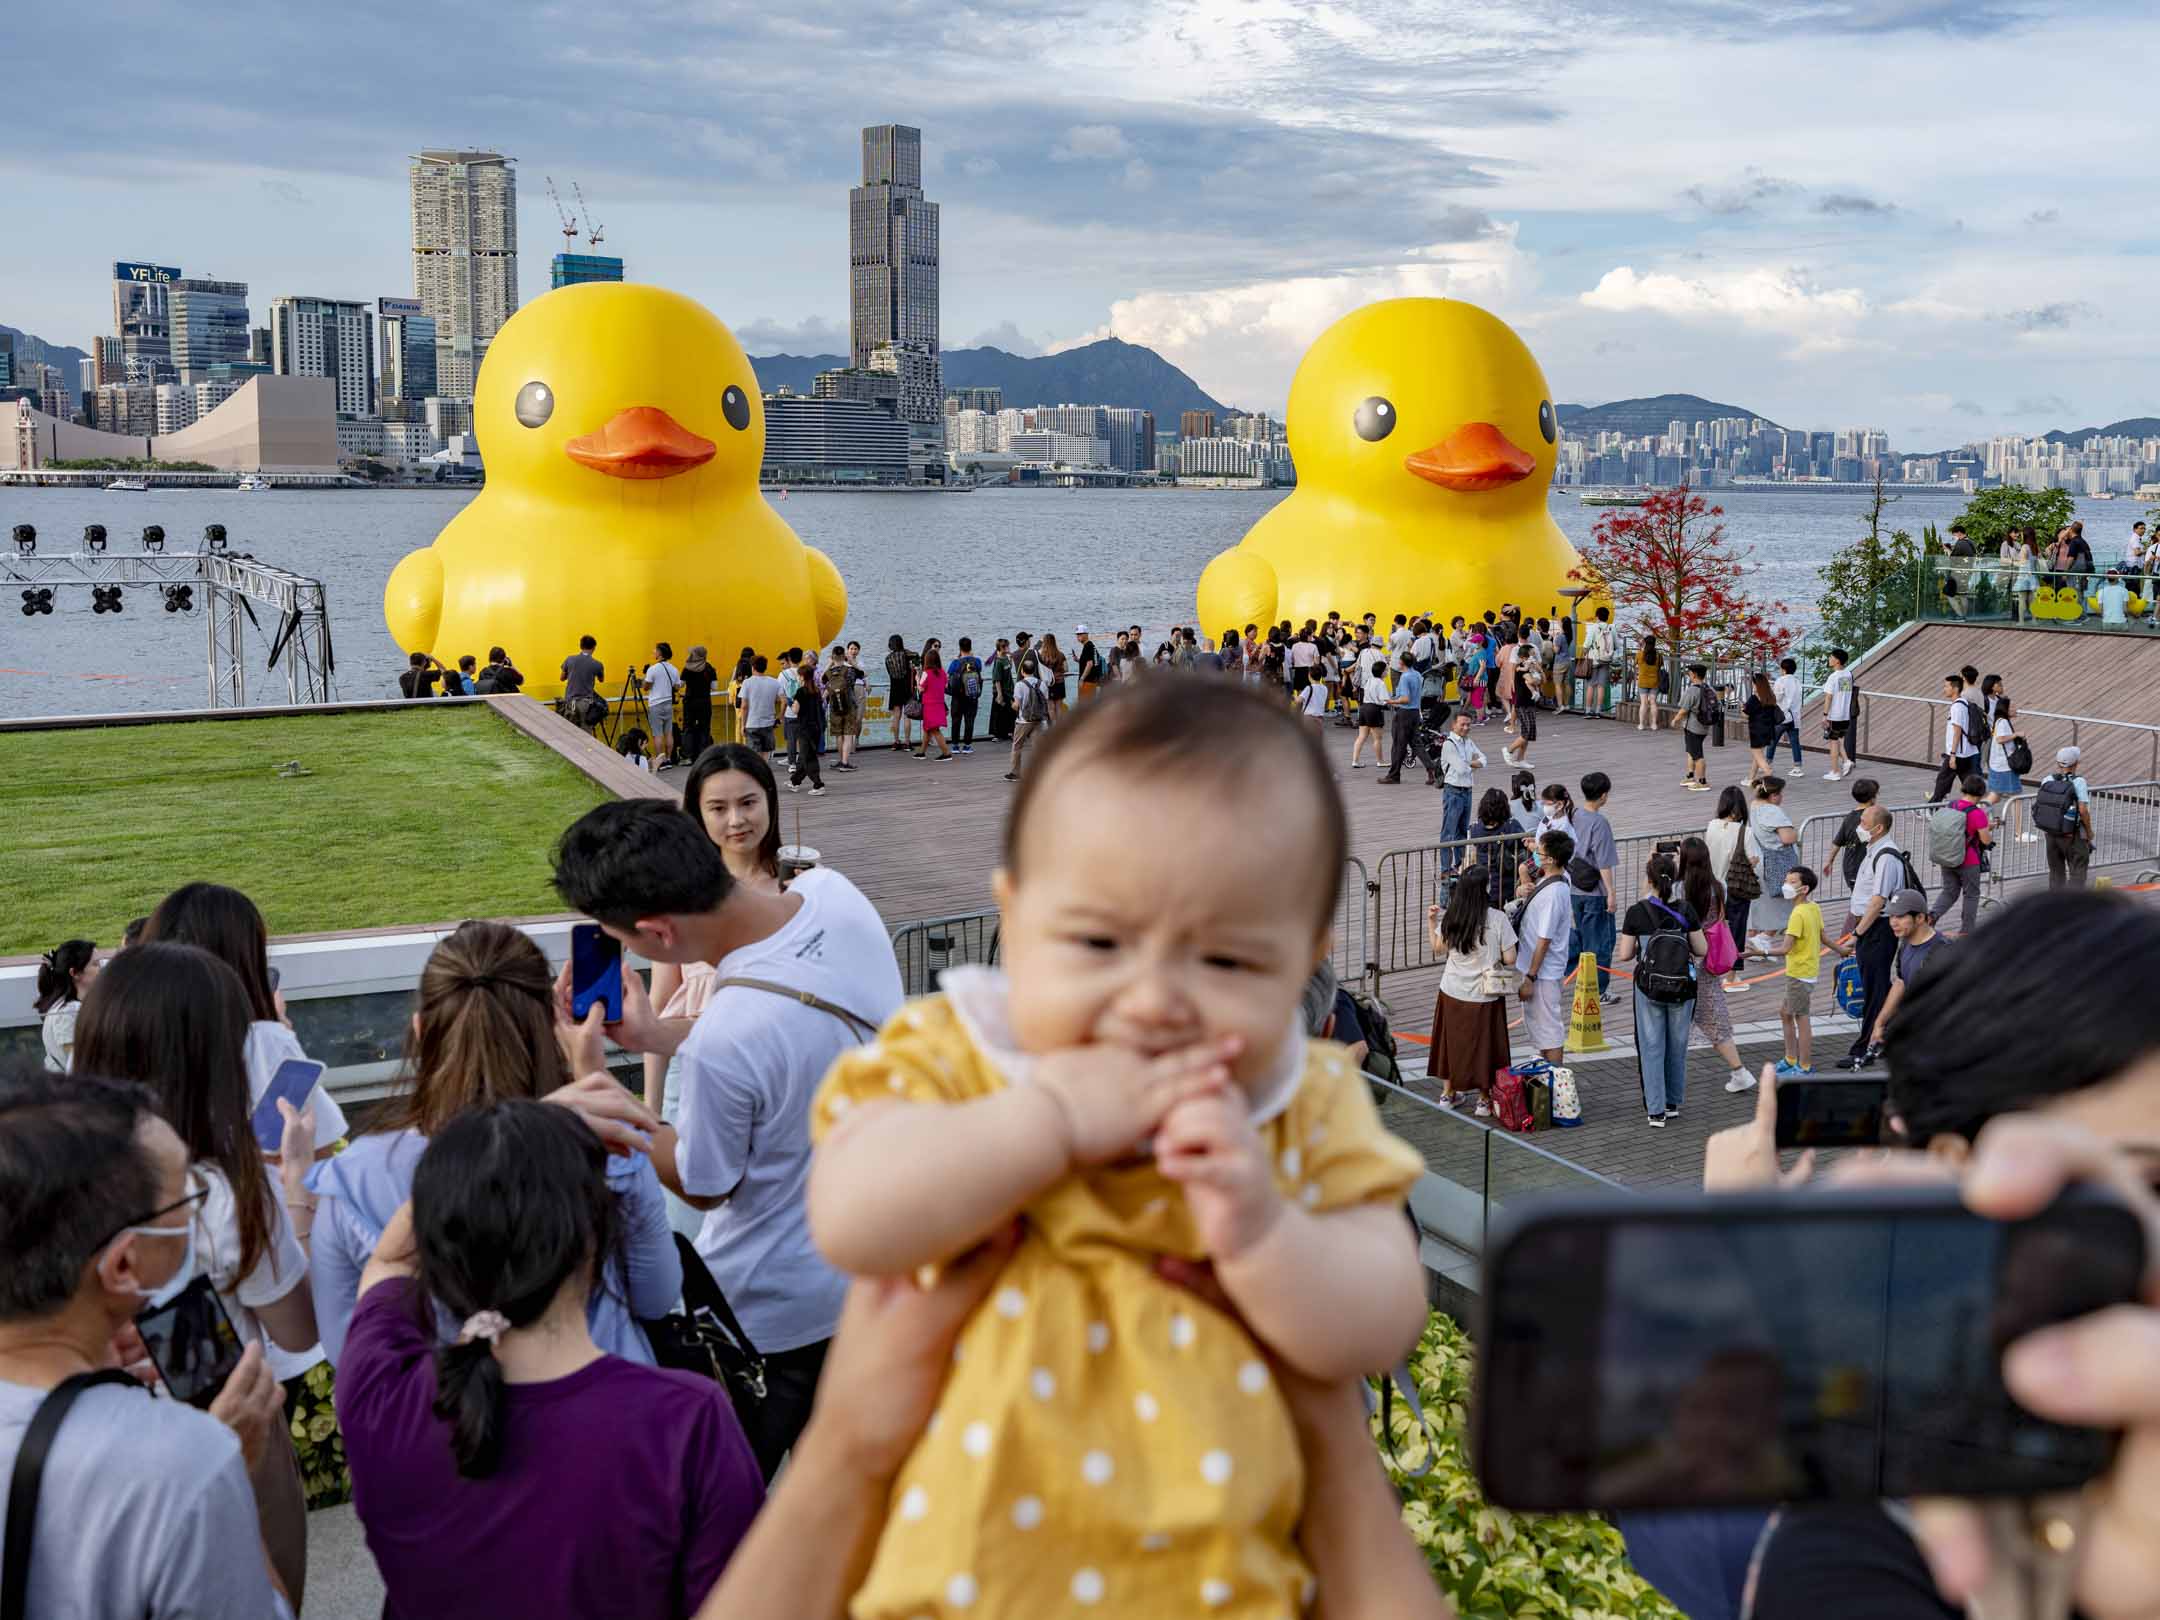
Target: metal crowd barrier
pixel 927 947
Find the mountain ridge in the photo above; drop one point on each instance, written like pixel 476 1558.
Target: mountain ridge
pixel 1648 415
pixel 63 355
pixel 1108 371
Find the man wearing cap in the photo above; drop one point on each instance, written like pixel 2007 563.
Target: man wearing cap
pixel 1917 940
pixel 1090 659
pixel 1883 873
pixel 2062 810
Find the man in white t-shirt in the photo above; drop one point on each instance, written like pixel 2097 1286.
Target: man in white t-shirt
pixel 662 681
pixel 759 699
pixel 1542 946
pixel 1837 713
pixel 821 979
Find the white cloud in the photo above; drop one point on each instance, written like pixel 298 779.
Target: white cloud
pixel 1785 301
pixel 1241 343
pixel 1138 176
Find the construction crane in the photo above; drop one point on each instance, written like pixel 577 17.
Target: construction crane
pixel 569 225
pixel 592 232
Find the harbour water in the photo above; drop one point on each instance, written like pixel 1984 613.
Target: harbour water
pixel 982 564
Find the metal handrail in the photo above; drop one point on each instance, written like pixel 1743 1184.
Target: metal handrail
pixel 2076 721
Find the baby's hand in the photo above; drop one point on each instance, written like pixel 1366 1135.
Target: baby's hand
pixel 1111 1097
pixel 1209 1146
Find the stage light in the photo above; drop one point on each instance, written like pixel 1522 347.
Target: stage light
pixel 36 602
pixel 93 536
pixel 214 536
pixel 153 538
pixel 104 599
pixel 179 598
pixel 25 538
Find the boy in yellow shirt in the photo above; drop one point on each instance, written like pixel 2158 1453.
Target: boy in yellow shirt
pixel 1802 948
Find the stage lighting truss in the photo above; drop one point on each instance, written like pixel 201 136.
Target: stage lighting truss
pixel 231 585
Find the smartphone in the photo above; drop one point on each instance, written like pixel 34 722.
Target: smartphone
pixel 595 971
pixel 1832 1112
pixel 1682 1351
pixel 193 1343
pixel 295 1078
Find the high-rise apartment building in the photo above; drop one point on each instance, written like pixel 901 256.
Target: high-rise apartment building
pixel 327 337
pixel 1087 421
pixel 991 400
pixel 408 350
pixel 464 245
pixel 892 247
pixel 209 324
pixel 108 360
pixel 142 319
pixel 1196 425
pixel 1132 438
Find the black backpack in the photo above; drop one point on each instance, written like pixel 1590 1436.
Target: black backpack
pixel 1848 839
pixel 2018 752
pixel 1666 970
pixel 1380 1049
pixel 1705 704
pixel 1909 875
pixel 2055 805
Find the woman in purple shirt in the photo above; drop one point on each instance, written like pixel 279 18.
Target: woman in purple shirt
pixel 520 1469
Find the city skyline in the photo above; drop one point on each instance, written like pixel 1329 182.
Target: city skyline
pixel 1834 218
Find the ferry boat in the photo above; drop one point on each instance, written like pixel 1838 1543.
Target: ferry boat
pixel 1612 497
pixel 134 485
pixel 252 484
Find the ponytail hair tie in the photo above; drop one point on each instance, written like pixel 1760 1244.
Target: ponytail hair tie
pixel 488 1325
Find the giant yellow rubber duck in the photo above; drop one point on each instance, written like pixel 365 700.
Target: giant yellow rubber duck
pixel 1424 438
pixel 622 430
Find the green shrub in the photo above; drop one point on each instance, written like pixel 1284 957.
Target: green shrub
pixel 316 1438
pixel 1490 1562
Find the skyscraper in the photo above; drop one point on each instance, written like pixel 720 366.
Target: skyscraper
pixel 1196 425
pixel 570 269
pixel 408 350
pixel 327 337
pixel 892 247
pixel 142 317
pixel 209 326
pixel 1132 438
pixel 464 243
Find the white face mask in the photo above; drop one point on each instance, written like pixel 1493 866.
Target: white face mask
pixel 1791 891
pixel 183 1274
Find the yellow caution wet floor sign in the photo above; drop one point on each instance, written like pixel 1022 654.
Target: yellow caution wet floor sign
pixel 1586 1023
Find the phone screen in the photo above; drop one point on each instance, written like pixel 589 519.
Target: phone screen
pixel 294 1079
pixel 1831 1112
pixel 193 1343
pixel 1765 1349
pixel 595 971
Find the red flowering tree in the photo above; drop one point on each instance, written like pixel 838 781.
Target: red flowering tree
pixel 1668 567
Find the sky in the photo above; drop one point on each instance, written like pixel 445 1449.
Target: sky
pixel 1918 215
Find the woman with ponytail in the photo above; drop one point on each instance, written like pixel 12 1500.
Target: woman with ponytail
pixel 63 974
pixel 485 1031
pixel 514 1466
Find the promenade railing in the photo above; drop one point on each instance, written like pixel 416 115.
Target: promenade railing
pixel 1903 725
pixel 927 946
pixel 1984 590
pixel 1472 1170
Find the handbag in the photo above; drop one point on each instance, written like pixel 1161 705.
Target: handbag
pixel 1742 882
pixel 1583 668
pixel 912 709
pixel 1723 953
pixel 1566 1099
pixel 705 1338
pixel 29 1474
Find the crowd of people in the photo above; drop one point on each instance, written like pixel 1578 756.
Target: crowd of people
pixel 2021 563
pixel 1053 1291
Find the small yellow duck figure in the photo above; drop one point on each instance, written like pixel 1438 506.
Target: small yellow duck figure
pixel 622 430
pixel 1424 438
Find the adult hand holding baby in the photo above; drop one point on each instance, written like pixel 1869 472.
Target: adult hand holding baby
pixel 1111 1098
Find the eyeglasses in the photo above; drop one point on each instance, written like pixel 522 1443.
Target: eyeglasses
pixel 186 1200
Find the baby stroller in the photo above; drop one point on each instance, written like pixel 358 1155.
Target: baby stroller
pixel 1433 716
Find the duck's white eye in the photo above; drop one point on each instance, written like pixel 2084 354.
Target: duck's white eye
pixel 1375 419
pixel 535 404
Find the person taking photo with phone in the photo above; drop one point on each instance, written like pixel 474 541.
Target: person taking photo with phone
pixel 141 1507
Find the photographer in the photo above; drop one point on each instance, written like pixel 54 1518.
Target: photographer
pixel 143 1507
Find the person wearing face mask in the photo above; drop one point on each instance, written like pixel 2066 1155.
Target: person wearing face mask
pixel 1884 871
pixel 142 1507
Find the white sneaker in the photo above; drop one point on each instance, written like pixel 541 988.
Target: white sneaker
pixel 1797 770
pixel 2028 838
pixel 1832 776
pixel 1741 1081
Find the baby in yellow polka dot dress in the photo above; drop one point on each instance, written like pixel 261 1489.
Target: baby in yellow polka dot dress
pixel 1135 1085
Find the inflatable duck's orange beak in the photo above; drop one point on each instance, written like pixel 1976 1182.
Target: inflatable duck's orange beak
pixel 1474 457
pixel 641 442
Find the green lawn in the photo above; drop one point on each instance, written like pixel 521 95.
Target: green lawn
pixel 414 815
